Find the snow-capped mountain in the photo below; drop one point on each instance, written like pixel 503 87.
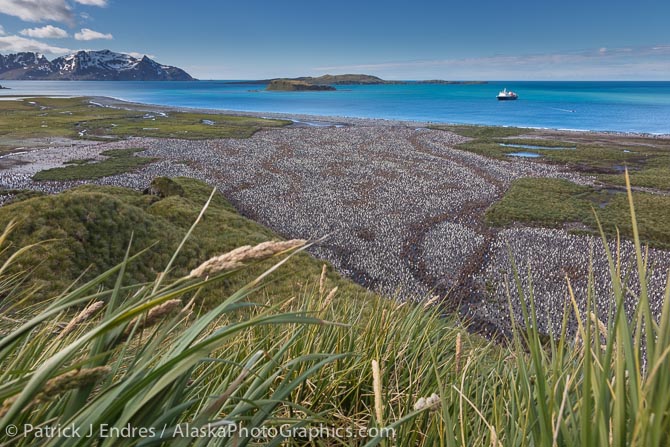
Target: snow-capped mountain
pixel 27 64
pixel 101 65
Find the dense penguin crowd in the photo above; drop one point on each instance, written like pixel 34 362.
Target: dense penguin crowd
pixel 402 207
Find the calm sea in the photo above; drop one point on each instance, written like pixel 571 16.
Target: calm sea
pixel 611 106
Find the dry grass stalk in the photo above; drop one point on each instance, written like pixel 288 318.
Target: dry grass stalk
pixel 431 402
pixel 431 301
pixel 156 314
pixel 602 329
pixel 287 304
pixel 73 379
pixel 322 280
pixel 601 326
pixel 377 387
pixel 494 437
pixel 67 381
pixel 579 345
pixel 596 337
pixel 329 298
pixel 457 359
pixel 236 258
pixel 188 309
pixel 81 317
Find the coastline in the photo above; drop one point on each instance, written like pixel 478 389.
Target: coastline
pixel 108 101
pixel 115 102
pixel 580 106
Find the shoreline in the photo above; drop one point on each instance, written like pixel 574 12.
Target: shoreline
pixel 113 102
pixel 325 120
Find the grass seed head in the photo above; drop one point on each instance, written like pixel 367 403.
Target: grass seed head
pixel 236 258
pixel 156 314
pixel 322 280
pixel 81 317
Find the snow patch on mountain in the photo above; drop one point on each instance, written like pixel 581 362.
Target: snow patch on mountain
pixel 88 65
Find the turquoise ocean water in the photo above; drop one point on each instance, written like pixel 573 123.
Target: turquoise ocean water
pixel 610 106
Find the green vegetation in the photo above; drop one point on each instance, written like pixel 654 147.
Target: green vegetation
pixel 472 131
pixel 654 174
pixel 554 203
pixel 118 161
pixel 89 229
pixel 288 85
pixel 647 159
pixel 81 161
pixel 346 79
pixel 16 195
pixel 138 355
pixel 356 79
pixel 78 118
pixel 543 201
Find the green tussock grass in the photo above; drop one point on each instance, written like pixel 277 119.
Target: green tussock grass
pixel 78 119
pixel 309 358
pixel 79 161
pixel 655 173
pixel 555 203
pixel 118 161
pixel 473 131
pixel 17 195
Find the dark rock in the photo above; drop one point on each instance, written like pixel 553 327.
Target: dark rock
pixel 164 187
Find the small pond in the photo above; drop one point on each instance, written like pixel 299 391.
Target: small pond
pixel 524 154
pixel 544 148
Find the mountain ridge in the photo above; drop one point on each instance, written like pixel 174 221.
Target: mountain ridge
pixel 87 65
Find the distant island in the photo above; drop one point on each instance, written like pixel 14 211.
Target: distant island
pixel 103 65
pixel 346 79
pixel 326 82
pixel 291 85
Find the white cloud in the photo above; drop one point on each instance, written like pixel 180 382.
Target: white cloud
pixel 46 32
pixel 139 55
pixel 596 63
pixel 44 10
pixel 38 10
pixel 89 34
pixel 15 44
pixel 2 31
pixel 100 3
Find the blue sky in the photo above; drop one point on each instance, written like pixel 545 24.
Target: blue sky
pixel 251 39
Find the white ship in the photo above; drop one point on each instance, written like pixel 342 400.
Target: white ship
pixel 507 96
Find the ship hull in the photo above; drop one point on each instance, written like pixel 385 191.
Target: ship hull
pixel 507 98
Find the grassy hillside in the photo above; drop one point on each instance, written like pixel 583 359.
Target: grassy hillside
pixel 89 229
